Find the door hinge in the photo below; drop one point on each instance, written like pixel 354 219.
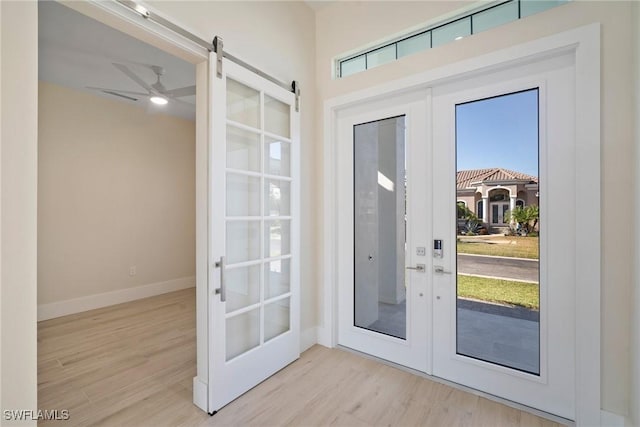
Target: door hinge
pixel 218 46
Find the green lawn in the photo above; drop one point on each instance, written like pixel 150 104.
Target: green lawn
pixel 518 247
pixel 499 291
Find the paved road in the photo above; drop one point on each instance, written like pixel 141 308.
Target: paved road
pixel 519 269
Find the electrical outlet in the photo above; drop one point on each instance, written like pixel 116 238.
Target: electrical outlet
pixel 421 251
pixel 133 270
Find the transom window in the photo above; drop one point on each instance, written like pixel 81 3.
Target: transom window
pixel 488 15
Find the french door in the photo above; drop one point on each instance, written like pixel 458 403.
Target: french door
pixel 254 327
pixel 498 213
pixel 490 311
pixel 489 335
pixel 383 195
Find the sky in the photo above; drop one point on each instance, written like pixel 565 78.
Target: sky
pixel 499 132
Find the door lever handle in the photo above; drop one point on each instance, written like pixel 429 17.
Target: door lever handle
pixel 440 270
pixel 420 268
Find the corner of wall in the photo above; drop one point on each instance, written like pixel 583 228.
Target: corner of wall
pixel 19 81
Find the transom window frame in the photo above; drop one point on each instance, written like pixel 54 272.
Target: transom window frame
pixel 389 50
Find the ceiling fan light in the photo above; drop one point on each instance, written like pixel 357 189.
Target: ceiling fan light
pixel 159 100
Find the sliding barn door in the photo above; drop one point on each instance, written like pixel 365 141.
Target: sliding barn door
pixel 254 309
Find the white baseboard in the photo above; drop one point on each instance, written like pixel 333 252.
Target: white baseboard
pixel 609 419
pixel 308 338
pixel 91 302
pixel 200 394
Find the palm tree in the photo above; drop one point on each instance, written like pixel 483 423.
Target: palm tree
pixel 527 217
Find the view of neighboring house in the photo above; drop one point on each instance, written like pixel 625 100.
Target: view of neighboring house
pixel 490 193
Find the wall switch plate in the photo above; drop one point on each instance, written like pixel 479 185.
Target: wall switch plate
pixel 421 251
pixel 133 270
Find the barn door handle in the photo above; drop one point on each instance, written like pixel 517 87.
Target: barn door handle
pixel 222 290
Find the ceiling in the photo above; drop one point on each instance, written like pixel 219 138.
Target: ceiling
pixel 76 51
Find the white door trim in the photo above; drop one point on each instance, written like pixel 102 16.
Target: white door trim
pixel 585 43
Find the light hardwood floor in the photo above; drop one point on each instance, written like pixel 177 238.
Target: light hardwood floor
pixel 132 365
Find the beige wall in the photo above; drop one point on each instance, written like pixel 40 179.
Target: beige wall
pixel 345 26
pixel 18 151
pixel 279 38
pixel 116 189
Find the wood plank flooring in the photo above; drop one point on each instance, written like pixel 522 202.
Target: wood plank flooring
pixel 133 364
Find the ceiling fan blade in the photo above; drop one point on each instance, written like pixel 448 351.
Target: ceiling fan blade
pixel 133 76
pixel 182 91
pixel 127 92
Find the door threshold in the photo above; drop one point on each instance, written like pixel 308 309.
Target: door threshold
pixel 509 403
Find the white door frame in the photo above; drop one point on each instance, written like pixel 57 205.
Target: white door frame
pixel 123 19
pixel 584 42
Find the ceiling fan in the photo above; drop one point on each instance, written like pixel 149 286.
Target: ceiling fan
pixel 156 92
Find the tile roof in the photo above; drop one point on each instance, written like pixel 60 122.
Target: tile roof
pixel 465 178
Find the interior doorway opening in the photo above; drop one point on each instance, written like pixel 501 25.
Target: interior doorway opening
pixel 117 213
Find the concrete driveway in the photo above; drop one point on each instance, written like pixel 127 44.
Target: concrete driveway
pixel 499 267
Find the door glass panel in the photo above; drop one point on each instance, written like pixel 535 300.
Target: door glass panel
pixel 243 104
pixel 277 276
pixel 243 287
pixel 276 319
pixel 243 195
pixel 243 149
pixel 258 196
pixel 277 197
pixel 498 295
pixel 242 333
pixel 277 157
pixel 243 241
pixel 379 214
pixel 277 238
pixel 276 117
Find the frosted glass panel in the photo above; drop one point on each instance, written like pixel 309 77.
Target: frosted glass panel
pixel 276 117
pixel 243 104
pixel 243 149
pixel 243 241
pixel 277 238
pixel 450 32
pixel 530 7
pixel 277 198
pixel 381 56
pixel 277 157
pixel 276 318
pixel 495 17
pixel 414 44
pixel 352 66
pixel 277 278
pixel 243 195
pixel 243 287
pixel 242 333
